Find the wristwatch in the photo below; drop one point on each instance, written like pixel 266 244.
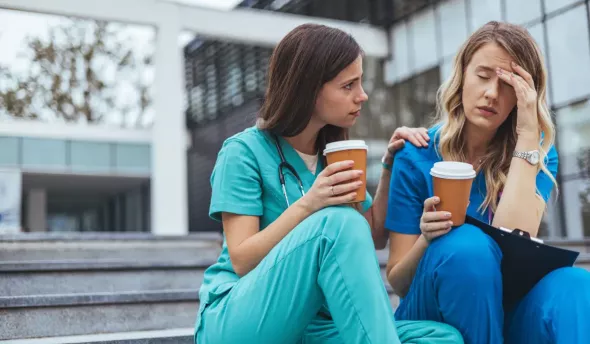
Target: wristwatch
pixel 532 157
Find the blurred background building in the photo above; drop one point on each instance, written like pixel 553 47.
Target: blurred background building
pixel 80 99
pixel 112 113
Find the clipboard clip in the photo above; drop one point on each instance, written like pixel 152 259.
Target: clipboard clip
pixel 520 232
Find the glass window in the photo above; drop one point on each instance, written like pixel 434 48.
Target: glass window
pixel 44 153
pixel 537 32
pixel 453 31
pixel 553 5
pixel 424 42
pixel 523 11
pixel 445 69
pixel 9 151
pixel 569 55
pixel 483 11
pixel 90 156
pixel 401 60
pixel 132 158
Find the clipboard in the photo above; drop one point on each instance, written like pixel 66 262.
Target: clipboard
pixel 525 260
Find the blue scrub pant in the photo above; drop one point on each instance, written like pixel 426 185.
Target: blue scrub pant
pixel 458 282
pixel 320 284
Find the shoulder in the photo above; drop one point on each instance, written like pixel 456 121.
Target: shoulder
pixel 421 155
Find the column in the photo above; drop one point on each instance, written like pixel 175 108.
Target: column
pixel 169 196
pixel 36 212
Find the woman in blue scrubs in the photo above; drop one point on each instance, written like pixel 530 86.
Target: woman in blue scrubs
pixel 298 265
pixel 493 115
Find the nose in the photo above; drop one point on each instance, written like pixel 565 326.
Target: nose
pixel 492 90
pixel 362 97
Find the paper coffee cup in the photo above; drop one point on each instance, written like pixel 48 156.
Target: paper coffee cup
pixel 452 184
pixel 355 150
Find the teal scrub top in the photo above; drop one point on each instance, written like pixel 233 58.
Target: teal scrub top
pixel 245 181
pixel 411 185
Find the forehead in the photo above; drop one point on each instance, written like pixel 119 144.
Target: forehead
pixel 353 70
pixel 491 55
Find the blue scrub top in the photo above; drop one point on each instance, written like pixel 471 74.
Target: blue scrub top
pixel 411 185
pixel 245 181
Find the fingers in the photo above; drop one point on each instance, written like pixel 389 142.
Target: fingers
pixel 417 136
pixel 435 226
pixel 513 80
pixel 395 146
pixel 526 76
pixel 424 133
pixel 420 139
pixel 336 167
pixel 430 203
pixel 341 189
pixel 340 177
pixel 436 216
pixel 347 198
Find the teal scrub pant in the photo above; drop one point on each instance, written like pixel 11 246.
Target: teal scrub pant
pixel 320 284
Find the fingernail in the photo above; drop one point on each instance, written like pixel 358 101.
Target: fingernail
pixel 514 64
pixel 359 172
pixel 450 223
pixel 436 199
pixel 447 215
pixel 499 71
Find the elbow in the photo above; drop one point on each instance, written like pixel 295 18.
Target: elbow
pixel 239 266
pixel 379 237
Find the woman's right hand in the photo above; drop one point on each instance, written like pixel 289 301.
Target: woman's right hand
pixel 334 185
pixel 434 224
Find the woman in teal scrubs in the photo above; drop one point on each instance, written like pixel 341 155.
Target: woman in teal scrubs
pixel 494 116
pixel 298 265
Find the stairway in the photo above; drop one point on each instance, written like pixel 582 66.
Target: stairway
pixel 115 288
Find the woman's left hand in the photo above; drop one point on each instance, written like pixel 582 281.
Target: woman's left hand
pixel 527 122
pixel 417 136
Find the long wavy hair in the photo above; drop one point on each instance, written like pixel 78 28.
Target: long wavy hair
pixel 451 117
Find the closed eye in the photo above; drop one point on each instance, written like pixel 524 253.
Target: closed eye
pixel 483 77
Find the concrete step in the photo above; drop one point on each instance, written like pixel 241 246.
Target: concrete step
pixel 122 246
pixel 40 316
pixel 21 278
pixel 579 245
pixel 172 336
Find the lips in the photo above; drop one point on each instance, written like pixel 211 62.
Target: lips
pixel 487 111
pixel 356 113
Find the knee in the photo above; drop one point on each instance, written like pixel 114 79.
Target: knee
pixel 569 283
pixel 342 222
pixel 443 333
pixel 469 250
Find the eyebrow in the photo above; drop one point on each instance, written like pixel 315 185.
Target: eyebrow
pixel 351 80
pixel 485 68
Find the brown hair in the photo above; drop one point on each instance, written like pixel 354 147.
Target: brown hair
pixel 519 44
pixel 305 59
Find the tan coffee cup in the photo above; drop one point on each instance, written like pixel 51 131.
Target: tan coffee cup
pixel 355 150
pixel 452 184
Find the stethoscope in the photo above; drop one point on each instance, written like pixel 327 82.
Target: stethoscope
pixel 285 164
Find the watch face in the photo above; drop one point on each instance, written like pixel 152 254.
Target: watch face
pixel 534 158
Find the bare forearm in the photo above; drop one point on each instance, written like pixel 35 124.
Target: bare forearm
pixel 252 250
pixel 400 276
pixel 519 206
pixel 380 210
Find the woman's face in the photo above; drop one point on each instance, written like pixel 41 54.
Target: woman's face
pixel 340 99
pixel 487 100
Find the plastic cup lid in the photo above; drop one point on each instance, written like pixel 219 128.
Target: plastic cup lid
pixel 452 170
pixel 345 145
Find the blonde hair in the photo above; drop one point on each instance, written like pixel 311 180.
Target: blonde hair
pixel 451 118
